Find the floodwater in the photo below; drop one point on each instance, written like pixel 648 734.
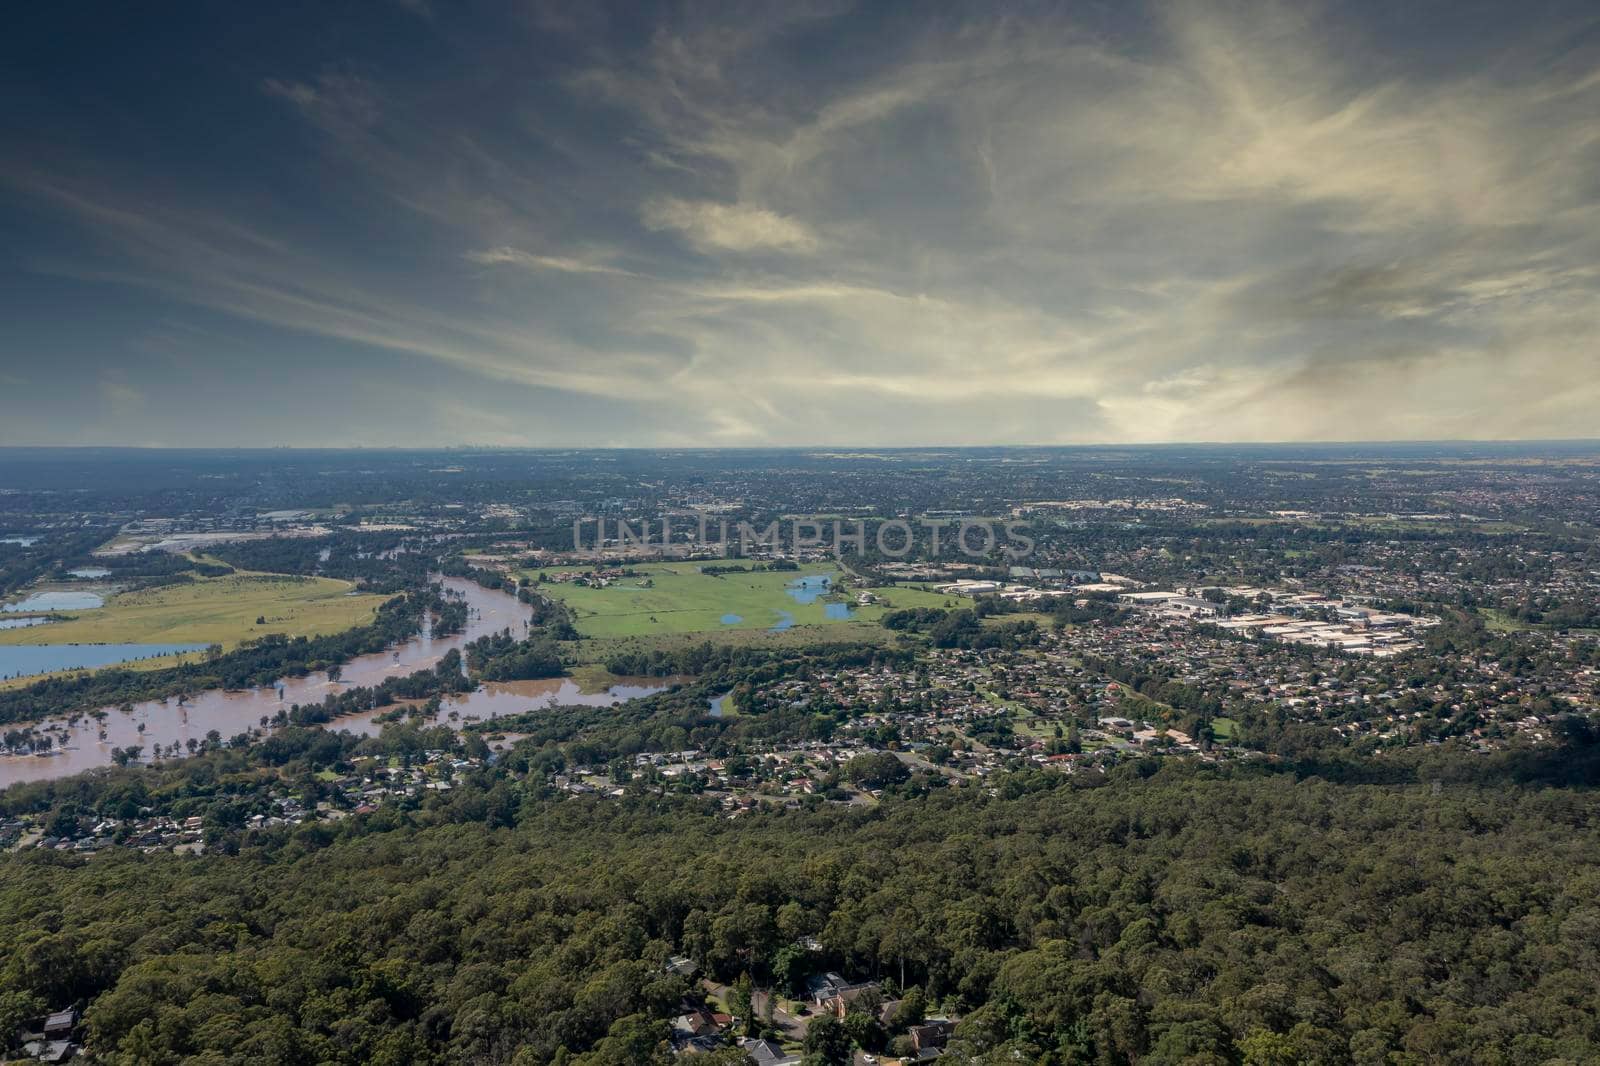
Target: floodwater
pixel 87 744
pixel 25 660
pixel 809 589
pixel 57 601
pixel 732 619
pixel 498 698
pixel 23 623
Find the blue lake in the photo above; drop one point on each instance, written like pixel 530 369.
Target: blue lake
pixel 57 601
pixel 22 623
pixel 22 660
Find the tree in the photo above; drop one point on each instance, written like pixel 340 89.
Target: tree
pixel 789 967
pixel 1266 1048
pixel 16 1008
pixel 727 1056
pixel 865 1030
pixel 876 770
pixel 913 1007
pixel 632 1041
pixel 740 998
pixel 827 1042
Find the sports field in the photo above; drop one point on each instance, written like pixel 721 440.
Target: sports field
pixel 221 610
pixel 671 598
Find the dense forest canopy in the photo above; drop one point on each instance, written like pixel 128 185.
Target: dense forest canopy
pixel 1169 915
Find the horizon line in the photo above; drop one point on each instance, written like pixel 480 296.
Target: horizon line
pixel 476 447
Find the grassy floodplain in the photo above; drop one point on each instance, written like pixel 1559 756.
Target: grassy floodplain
pixel 220 610
pixel 677 598
pixel 592 676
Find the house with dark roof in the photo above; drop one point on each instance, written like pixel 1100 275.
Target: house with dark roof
pixel 933 1033
pixel 767 1053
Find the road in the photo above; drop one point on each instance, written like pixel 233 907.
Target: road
pixel 792 1025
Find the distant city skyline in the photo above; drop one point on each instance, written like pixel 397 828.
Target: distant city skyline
pixel 416 224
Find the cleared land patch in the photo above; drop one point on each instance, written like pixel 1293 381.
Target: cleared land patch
pixel 670 598
pixel 596 651
pixel 221 610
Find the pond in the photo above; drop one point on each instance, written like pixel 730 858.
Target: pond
pixel 732 619
pixel 23 623
pixel 56 601
pixel 24 660
pixel 809 589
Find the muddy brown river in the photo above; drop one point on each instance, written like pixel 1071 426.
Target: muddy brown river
pixel 88 743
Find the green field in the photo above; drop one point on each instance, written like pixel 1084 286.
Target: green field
pixel 221 610
pixel 592 677
pixel 671 598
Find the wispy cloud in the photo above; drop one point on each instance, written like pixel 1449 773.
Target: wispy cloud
pixel 1206 221
pixel 731 227
pixel 504 256
pixel 121 397
pixel 333 99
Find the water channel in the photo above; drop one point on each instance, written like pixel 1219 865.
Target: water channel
pixel 87 743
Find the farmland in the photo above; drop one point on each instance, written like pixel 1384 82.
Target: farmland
pixel 679 598
pixel 223 610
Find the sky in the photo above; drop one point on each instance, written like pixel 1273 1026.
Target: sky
pixel 417 223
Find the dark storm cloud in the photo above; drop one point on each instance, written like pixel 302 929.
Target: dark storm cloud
pixel 798 223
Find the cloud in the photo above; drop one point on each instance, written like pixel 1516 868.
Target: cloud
pixel 121 397
pixel 334 100
pixel 729 227
pixel 506 256
pixel 1198 221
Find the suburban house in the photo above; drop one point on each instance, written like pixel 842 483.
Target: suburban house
pixel 932 1033
pixel 844 1001
pixel 694 1023
pixel 834 994
pixel 822 987
pixel 766 1053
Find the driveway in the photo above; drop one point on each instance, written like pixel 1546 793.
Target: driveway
pixel 793 1026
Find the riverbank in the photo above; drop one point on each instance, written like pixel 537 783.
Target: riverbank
pixel 86 741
